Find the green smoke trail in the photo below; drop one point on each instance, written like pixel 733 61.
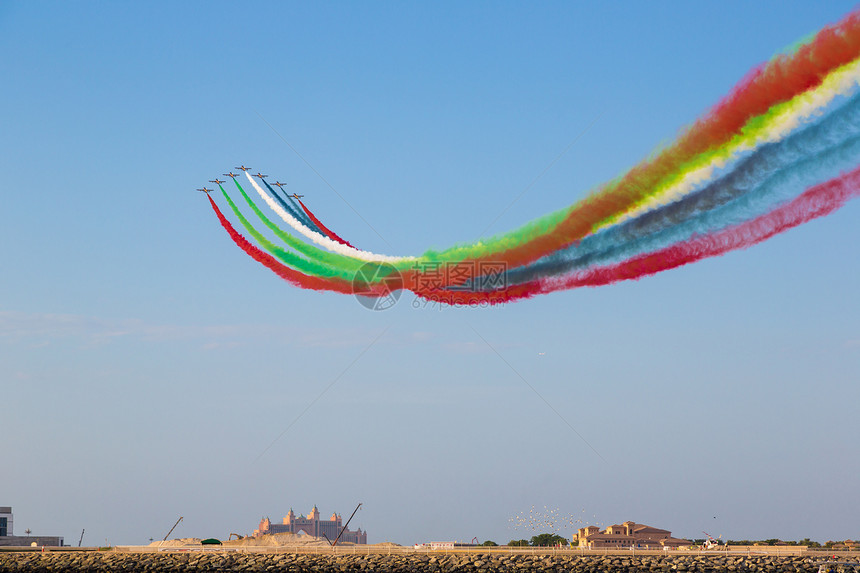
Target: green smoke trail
pixel 320 263
pixel 293 260
pixel 336 264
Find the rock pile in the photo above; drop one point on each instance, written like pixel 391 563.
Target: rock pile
pixel 193 562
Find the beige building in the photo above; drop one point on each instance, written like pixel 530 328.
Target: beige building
pixel 312 525
pixel 628 534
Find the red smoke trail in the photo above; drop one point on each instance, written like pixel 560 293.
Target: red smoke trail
pixel 784 77
pixel 480 298
pixel 288 274
pixel 328 232
pixel 815 202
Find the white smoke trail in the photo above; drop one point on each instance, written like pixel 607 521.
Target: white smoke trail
pixel 322 240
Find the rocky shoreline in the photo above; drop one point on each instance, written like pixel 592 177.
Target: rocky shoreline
pixel 104 561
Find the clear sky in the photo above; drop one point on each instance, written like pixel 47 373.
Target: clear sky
pixel 151 370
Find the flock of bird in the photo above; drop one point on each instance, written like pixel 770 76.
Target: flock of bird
pixel 549 520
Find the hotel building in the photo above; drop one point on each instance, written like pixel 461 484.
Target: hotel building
pixel 312 525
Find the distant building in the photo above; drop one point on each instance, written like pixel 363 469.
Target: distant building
pixel 847 544
pixel 8 539
pixel 5 521
pixel 312 525
pixel 628 534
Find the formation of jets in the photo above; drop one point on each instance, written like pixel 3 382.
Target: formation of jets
pixel 246 169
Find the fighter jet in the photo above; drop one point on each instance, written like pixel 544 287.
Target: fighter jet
pixel 205 190
pixel 279 184
pixel 243 168
pixel 260 175
pixel 216 181
pixel 231 174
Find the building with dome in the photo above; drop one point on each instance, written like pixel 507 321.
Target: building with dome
pixel 312 525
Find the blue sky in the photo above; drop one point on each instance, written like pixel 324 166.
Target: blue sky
pixel 151 370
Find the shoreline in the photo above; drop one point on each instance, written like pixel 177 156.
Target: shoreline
pixel 191 561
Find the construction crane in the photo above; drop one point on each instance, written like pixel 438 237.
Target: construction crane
pixel 171 529
pixel 345 526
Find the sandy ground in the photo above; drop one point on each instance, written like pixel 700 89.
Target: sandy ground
pixel 274 540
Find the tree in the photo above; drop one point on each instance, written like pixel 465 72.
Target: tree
pixel 548 540
pixel 518 543
pixel 489 543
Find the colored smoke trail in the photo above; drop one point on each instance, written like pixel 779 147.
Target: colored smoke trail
pixel 319 239
pixel 304 265
pixel 817 202
pixel 337 263
pixel 767 157
pixel 770 127
pixel 288 274
pixel 770 176
pixel 291 208
pixel 326 231
pixel 781 79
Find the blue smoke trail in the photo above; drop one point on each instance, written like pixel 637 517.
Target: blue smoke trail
pixel 293 209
